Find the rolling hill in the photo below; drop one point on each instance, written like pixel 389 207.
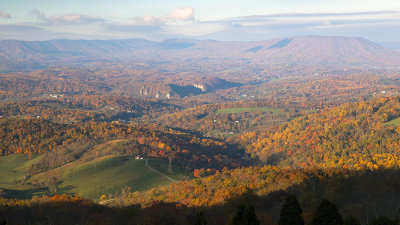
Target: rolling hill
pixel 55 161
pixel 104 175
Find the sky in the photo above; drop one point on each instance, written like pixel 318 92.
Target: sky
pixel 230 20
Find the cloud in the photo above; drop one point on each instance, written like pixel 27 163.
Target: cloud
pixel 66 19
pixel 181 14
pixel 41 33
pixel 197 29
pixel 73 19
pixel 262 27
pixel 18 32
pixel 178 15
pixel 4 15
pixel 38 15
pixel 326 19
pixel 149 20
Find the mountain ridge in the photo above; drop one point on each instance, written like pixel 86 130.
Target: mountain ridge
pixel 301 50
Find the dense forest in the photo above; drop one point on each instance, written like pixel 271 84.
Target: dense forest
pixel 355 135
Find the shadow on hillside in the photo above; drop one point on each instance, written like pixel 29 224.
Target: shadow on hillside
pixel 364 194
pixel 30 193
pixel 23 194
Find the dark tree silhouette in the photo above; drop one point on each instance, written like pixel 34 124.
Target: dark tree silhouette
pixel 351 220
pixel 245 216
pixel 239 216
pixel 200 219
pixel 291 212
pixel 383 220
pixel 251 217
pixel 327 214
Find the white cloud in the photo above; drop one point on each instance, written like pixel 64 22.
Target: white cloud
pixel 66 19
pixel 4 15
pixel 197 29
pixel 178 15
pixel 73 19
pixel 181 14
pixel 148 20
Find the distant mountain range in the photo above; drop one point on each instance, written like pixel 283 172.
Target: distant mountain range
pixel 303 50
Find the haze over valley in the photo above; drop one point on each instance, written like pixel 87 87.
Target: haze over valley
pixel 263 113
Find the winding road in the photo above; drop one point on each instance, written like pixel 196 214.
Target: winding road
pixel 158 172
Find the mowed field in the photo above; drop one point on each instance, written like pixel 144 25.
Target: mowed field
pixel 105 175
pixel 109 174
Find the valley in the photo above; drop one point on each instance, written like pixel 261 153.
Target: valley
pixel 138 130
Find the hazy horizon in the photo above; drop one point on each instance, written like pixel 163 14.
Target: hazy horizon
pixel 158 20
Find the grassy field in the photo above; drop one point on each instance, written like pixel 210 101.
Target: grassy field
pixel 110 174
pixel 260 109
pixel 104 175
pixel 12 173
pixel 12 169
pixel 395 122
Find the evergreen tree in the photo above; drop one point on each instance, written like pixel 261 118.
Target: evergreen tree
pixel 200 219
pixel 239 216
pixel 291 212
pixel 351 220
pixel 245 216
pixel 251 217
pixel 327 214
pixel 383 220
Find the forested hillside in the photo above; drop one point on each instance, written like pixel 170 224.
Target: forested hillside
pixel 356 135
pixel 35 136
